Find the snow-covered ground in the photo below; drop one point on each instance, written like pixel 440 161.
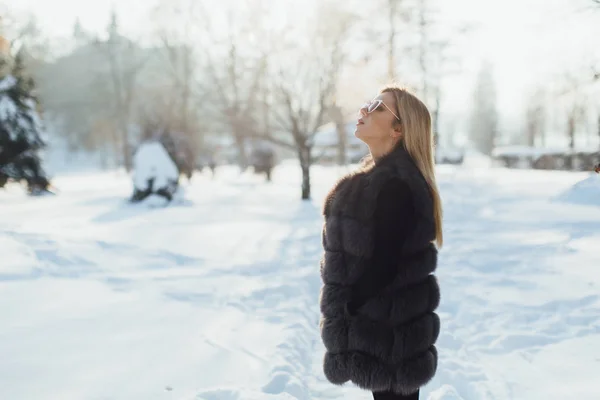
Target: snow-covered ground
pixel 216 298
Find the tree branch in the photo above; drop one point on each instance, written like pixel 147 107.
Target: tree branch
pixel 273 139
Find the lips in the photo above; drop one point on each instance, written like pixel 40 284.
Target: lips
pixel 360 121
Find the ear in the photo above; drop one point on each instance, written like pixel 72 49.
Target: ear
pixel 396 132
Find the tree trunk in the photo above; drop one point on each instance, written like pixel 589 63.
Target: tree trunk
pixel 240 143
pixel 305 162
pixel 125 145
pixel 492 141
pixel 305 181
pixel 542 134
pixel 571 133
pixel 531 128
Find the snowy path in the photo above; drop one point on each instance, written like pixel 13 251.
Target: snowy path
pixel 217 299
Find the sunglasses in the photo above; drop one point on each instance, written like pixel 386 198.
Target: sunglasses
pixel 376 104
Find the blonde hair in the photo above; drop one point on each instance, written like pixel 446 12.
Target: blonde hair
pixel 417 138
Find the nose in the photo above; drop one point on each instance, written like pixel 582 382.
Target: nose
pixel 363 111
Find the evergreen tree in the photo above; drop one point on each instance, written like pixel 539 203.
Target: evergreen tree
pixel 20 129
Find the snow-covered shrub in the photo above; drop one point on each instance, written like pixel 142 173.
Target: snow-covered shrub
pixel 155 173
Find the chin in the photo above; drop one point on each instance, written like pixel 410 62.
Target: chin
pixel 357 133
pixel 359 136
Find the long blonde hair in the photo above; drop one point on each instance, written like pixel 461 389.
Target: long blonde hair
pixel 418 141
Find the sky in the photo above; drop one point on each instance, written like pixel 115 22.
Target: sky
pixel 526 41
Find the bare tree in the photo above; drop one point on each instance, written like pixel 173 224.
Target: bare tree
pixel 177 26
pixel 431 50
pixel 303 87
pixel 234 61
pixel 22 31
pixel 124 66
pixel 571 90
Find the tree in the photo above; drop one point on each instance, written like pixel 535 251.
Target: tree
pixel 20 130
pixel 536 117
pixel 23 31
pixel 484 118
pixel 429 48
pixel 125 64
pixel 235 61
pixel 176 28
pixel 303 84
pixel 576 113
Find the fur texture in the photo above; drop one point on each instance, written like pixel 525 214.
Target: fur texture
pixel 388 343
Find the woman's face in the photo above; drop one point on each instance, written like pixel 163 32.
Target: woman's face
pixel 377 125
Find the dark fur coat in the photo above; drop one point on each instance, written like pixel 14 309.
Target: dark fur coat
pixel 387 342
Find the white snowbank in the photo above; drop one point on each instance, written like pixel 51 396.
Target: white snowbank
pixel 585 192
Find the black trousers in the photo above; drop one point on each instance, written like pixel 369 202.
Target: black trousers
pixel 395 396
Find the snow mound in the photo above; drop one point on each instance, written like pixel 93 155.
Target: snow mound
pixel 585 192
pixel 151 160
pixel 446 392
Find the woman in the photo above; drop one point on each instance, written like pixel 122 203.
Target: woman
pixel 383 226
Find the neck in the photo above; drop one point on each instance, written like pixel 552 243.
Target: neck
pixel 379 150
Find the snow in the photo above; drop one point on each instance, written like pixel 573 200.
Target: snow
pixel 586 192
pixel 8 109
pixel 7 83
pixel 19 122
pixel 217 299
pixel 475 159
pixel 449 154
pixel 151 160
